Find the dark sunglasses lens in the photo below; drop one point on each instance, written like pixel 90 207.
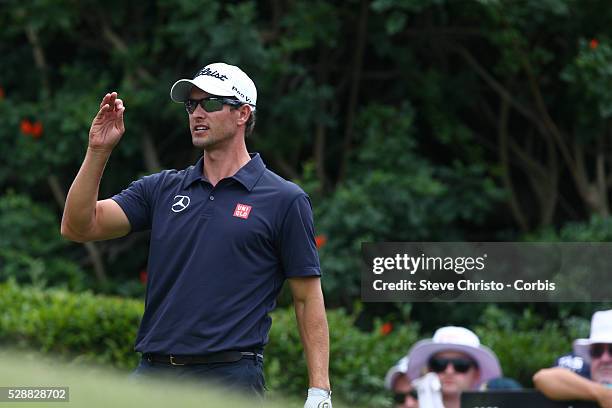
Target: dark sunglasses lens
pixel 209 105
pixel 597 350
pixel 190 105
pixel 462 366
pixel 437 365
pixel 399 398
pixel 212 105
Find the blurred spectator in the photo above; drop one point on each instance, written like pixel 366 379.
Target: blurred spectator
pixel 562 384
pixel 459 361
pixel 396 380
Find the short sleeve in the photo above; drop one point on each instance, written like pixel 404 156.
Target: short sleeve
pixel 298 249
pixel 136 202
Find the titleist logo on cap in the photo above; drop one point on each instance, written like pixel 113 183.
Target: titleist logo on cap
pixel 209 72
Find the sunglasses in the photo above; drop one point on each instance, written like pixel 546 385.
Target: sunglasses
pixel 400 397
pixel 597 350
pixel 210 104
pixel 460 365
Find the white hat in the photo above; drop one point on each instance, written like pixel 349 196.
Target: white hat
pixel 601 332
pixel 218 79
pixel 401 367
pixel 452 338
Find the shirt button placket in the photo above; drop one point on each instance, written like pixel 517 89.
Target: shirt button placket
pixel 207 210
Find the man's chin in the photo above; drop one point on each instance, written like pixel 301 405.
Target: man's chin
pixel 604 378
pixel 450 389
pixel 201 143
pixel 209 142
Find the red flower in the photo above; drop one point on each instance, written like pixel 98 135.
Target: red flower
pixel 31 129
pixel 386 328
pixel 320 240
pixel 26 127
pixel 143 276
pixel 594 43
pixel 37 130
pixel 1 93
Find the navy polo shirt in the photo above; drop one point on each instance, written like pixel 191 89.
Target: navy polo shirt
pixel 218 256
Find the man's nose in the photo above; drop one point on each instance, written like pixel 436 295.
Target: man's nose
pixel 199 111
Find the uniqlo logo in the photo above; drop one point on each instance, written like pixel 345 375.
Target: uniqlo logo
pixel 242 211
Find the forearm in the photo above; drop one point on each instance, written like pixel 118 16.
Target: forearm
pixel 561 384
pixel 314 331
pixel 80 209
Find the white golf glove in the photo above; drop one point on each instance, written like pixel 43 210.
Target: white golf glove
pixel 430 391
pixel 318 398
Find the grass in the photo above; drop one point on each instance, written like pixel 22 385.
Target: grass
pixel 93 386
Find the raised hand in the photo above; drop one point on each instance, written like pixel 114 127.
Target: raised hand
pixel 107 127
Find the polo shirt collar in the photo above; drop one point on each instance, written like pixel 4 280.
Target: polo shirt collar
pixel 247 175
pixel 194 173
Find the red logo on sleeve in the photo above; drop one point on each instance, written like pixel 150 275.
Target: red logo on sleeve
pixel 242 211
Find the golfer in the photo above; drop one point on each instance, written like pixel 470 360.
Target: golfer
pixel 225 234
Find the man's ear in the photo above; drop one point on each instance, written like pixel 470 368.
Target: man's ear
pixel 245 114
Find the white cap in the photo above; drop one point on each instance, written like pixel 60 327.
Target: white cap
pixel 218 79
pixel 601 332
pixel 400 368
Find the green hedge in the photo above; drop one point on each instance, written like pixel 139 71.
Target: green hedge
pixel 95 328
pixel 103 329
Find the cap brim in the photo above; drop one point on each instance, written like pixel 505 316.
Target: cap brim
pixel 422 351
pixel 181 89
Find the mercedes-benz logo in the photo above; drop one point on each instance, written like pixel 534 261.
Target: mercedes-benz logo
pixel 180 203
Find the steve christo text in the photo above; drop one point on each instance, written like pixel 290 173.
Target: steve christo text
pixel 464 285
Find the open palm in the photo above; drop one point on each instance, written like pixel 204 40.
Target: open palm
pixel 107 127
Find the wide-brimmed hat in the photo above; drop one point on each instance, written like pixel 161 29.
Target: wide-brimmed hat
pixel 400 368
pixel 218 79
pixel 452 338
pixel 601 332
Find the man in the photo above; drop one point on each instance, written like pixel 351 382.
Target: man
pixel 225 234
pixel 396 380
pixel 562 384
pixel 457 358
